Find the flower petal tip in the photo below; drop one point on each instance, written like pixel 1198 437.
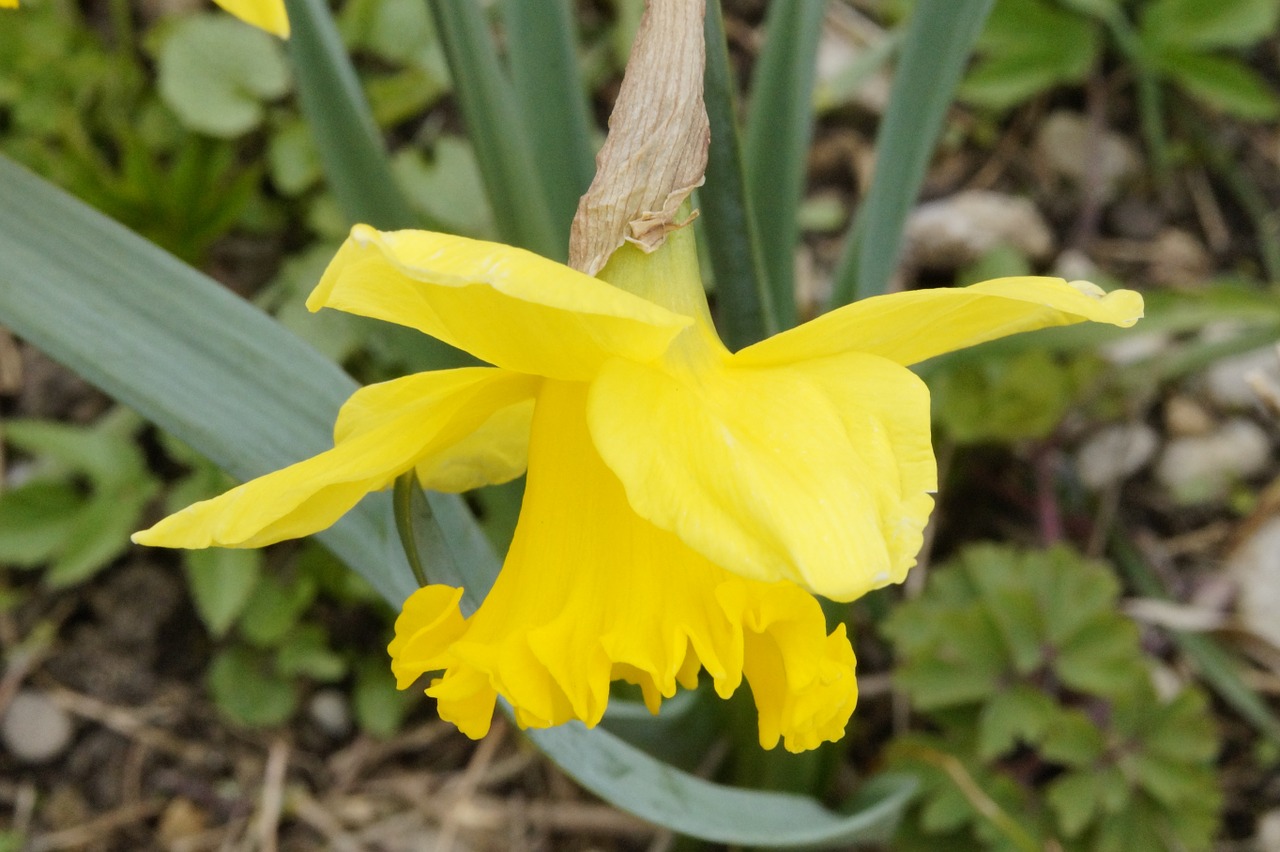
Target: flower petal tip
pixel 1125 307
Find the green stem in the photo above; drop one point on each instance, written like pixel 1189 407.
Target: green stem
pixel 402 505
pixel 1247 195
pixel 1150 97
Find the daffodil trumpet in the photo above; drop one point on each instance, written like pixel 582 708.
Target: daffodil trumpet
pixel 684 503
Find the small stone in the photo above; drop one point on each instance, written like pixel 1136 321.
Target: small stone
pixel 1178 259
pixel 1255 567
pixel 1072 149
pixel 1200 468
pixel 955 231
pixel 1229 382
pixel 1135 348
pixel 1136 219
pixel 180 820
pixel 1184 416
pixel 35 729
pixel 330 711
pixel 1116 452
pixel 1075 265
pixel 1268 836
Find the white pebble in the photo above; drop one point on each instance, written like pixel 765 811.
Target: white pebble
pixel 1071 147
pixel 1135 348
pixel 35 729
pixel 1199 468
pixel 958 230
pixel 1228 381
pixel 1114 453
pixel 328 708
pixel 1268 837
pixel 1255 567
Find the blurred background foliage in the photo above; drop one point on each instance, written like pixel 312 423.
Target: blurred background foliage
pixel 1044 697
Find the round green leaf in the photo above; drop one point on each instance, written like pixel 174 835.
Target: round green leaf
pixel 247 693
pixel 221 581
pixel 216 72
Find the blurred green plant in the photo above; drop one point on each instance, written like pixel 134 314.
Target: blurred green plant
pixel 272 622
pixel 81 494
pixel 84 114
pixel 218 74
pixel 1048 728
pixel 1010 398
pixel 280 648
pixel 1030 46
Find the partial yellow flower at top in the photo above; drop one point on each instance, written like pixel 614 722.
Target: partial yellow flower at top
pixel 683 504
pixel 264 14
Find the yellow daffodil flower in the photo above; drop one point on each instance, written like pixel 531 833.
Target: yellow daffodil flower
pixel 683 504
pixel 264 14
pixel 268 15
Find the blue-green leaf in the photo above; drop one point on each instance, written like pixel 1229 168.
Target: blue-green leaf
pixel 776 141
pixel 350 146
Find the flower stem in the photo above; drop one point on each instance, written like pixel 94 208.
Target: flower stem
pixel 402 504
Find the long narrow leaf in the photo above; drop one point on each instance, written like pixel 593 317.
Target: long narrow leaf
pixel 776 147
pixel 542 54
pixel 496 128
pixel 351 149
pixel 940 37
pixel 744 303
pixel 185 353
pixel 237 387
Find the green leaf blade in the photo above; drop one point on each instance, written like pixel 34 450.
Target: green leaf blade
pixel 496 129
pixel 542 53
pixel 348 142
pixel 745 310
pixel 776 141
pixel 940 37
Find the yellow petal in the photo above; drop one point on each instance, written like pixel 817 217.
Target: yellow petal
pixel 384 430
pixel 817 473
pixel 8 4
pixel 264 14
pixel 495 451
pixel 506 306
pixel 910 327
pixel 591 593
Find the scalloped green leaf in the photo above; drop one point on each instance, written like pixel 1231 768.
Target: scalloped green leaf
pixel 1075 798
pixel 1074 740
pixel 1022 714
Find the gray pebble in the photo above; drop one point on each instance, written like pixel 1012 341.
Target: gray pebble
pixel 35 729
pixel 329 709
